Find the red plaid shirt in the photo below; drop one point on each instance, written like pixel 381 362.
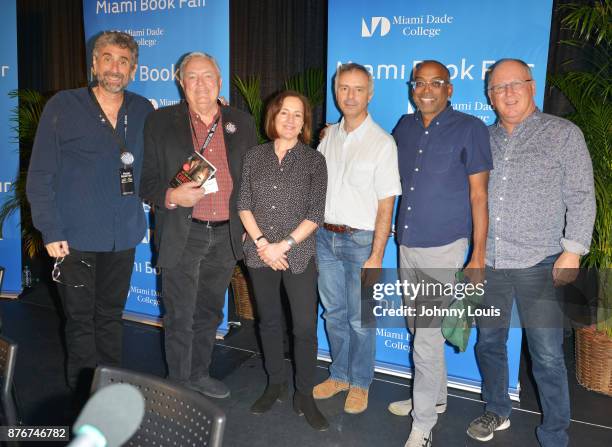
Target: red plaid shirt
pixel 214 206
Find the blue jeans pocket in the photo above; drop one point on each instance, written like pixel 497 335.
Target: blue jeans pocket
pixel 362 237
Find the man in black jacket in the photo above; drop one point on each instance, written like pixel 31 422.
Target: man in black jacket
pixel 198 233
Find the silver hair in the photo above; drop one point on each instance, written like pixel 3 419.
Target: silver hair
pixel 351 66
pixel 194 55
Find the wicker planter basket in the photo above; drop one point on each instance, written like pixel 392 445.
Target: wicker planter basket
pixel 242 295
pixel 594 360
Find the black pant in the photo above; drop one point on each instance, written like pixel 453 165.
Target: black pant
pixel 194 296
pixel 94 287
pixel 302 293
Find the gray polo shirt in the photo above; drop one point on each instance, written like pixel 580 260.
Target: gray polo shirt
pixel 541 193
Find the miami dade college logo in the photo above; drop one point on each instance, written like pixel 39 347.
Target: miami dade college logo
pixel 385 26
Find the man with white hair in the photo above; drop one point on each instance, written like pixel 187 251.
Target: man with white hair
pixel 197 229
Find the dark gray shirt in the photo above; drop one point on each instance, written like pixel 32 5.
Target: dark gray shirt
pixel 281 196
pixel 541 193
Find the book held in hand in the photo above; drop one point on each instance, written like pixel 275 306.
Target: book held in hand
pixel 195 169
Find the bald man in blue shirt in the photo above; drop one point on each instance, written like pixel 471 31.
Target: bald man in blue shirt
pixel 444 161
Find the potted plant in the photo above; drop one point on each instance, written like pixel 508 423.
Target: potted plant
pixel 25 120
pixel 310 83
pixel 589 93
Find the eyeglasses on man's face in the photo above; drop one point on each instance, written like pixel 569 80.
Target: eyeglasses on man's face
pixel 514 86
pixel 436 84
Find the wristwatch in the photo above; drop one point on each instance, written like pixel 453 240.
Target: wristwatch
pixel 291 242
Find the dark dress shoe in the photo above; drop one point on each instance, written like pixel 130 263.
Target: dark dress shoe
pixel 305 405
pixel 274 392
pixel 209 387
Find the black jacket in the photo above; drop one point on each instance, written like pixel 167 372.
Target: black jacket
pixel 168 143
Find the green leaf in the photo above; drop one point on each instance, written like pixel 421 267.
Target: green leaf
pixel 24 121
pixel 589 92
pixel 310 83
pixel 251 93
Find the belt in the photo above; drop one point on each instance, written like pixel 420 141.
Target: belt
pixel 339 228
pixel 210 223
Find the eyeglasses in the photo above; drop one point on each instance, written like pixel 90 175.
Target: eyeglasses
pixel 436 84
pixel 56 273
pixel 514 86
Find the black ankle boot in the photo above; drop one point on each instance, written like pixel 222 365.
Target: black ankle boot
pixel 305 405
pixel 274 392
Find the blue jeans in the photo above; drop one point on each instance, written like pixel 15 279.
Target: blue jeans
pixel 340 257
pixel 541 316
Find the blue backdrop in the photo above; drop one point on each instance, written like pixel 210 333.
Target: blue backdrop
pixel 389 37
pixel 10 245
pixel 164 31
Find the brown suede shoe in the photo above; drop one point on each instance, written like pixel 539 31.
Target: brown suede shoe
pixel 356 401
pixel 329 388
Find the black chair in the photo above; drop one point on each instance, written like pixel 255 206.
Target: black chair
pixel 174 415
pixel 8 355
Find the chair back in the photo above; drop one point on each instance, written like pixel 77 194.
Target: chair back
pixel 8 355
pixel 174 415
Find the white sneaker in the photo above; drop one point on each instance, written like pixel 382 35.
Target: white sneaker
pixel 418 438
pixel 404 407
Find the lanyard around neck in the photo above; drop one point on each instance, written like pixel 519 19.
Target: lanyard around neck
pixel 210 135
pixel 122 144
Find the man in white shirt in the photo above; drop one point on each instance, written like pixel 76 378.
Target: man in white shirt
pixel 363 180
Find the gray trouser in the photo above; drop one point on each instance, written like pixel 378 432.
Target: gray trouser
pixel 429 384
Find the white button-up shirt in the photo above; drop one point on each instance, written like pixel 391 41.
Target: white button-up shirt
pixel 362 169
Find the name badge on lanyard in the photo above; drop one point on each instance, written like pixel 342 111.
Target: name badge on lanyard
pixel 126 178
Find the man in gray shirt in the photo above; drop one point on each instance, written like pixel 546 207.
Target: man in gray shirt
pixel 541 215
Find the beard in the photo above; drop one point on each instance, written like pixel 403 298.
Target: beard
pixel 112 82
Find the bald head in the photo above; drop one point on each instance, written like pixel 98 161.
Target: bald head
pixel 516 63
pixel 431 62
